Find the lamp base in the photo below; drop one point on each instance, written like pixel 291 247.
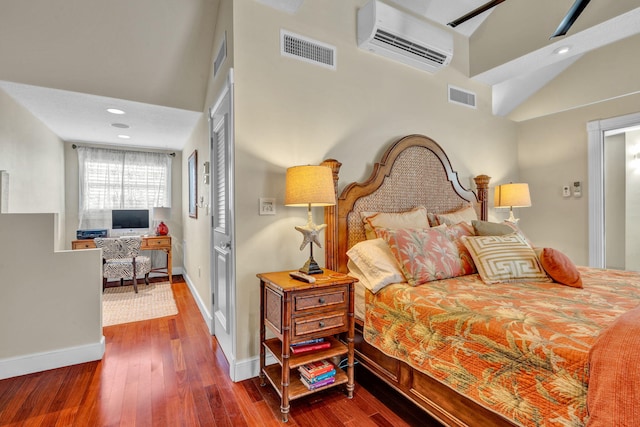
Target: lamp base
pixel 311 267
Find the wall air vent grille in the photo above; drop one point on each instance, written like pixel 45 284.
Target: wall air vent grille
pixel 462 97
pixel 407 46
pixel 221 56
pixel 308 50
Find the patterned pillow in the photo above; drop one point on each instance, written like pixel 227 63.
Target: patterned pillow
pixel 424 255
pixel 505 258
pixel 415 218
pixel 455 233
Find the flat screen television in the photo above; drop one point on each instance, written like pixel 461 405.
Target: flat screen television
pixel 129 218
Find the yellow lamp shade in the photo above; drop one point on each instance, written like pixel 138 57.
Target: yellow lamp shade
pixel 512 196
pixel 309 185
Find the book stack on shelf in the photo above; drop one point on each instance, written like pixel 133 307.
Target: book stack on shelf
pixel 309 345
pixel 317 374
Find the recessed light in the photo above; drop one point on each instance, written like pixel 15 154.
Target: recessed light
pixel 124 136
pixel 115 111
pixel 120 125
pixel 562 50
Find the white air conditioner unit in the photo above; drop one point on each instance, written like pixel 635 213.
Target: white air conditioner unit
pixel 402 37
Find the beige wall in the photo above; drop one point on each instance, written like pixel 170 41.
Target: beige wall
pixel 552 152
pixel 34 158
pixel 289 112
pixel 50 302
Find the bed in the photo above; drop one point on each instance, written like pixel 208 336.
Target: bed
pixel 522 349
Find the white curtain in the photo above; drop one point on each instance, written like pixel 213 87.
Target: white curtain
pixel 116 179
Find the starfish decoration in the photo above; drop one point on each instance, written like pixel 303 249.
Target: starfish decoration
pixel 311 234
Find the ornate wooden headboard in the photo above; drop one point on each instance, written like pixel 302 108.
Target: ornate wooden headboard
pixel 414 171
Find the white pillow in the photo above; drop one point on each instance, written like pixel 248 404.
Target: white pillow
pixel 376 263
pixel 467 215
pixel 415 218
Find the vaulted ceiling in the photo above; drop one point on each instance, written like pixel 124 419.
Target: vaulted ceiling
pixel 67 61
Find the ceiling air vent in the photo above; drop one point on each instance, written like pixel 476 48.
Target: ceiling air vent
pixel 308 50
pixel 462 97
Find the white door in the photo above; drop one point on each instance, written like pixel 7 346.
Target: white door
pixel 222 226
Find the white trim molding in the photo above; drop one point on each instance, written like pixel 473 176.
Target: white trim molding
pixel 37 362
pixel 596 130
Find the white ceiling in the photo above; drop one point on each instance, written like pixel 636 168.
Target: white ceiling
pixel 67 62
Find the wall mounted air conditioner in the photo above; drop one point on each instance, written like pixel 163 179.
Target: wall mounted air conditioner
pixel 402 37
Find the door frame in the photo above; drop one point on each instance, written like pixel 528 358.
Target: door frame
pixel 596 130
pixel 227 90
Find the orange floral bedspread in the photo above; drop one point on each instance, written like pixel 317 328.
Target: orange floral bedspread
pixel 519 349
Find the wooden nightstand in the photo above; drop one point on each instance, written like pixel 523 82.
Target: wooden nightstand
pixel 297 311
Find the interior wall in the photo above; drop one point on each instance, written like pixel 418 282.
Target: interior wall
pixel 51 312
pixel 290 112
pixel 72 202
pixel 34 158
pixel 552 152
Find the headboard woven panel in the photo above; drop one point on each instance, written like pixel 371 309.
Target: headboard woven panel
pixel 417 178
pixel 414 171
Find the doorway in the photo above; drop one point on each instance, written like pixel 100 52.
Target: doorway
pixel 614 192
pixel 222 223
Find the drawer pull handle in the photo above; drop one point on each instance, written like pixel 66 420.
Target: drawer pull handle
pixel 321 324
pixel 321 301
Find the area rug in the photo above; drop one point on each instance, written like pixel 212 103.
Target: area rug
pixel 121 304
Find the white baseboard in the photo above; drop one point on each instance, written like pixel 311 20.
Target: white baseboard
pixel 28 364
pixel 250 368
pixel 204 311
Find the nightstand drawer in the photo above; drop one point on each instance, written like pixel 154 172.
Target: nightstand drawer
pixel 335 322
pixel 333 299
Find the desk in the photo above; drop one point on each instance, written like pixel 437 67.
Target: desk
pixel 149 243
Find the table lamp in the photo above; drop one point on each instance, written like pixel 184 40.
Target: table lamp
pixel 161 214
pixel 512 196
pixel 310 186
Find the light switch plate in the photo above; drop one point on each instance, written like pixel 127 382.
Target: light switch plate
pixel 566 191
pixel 267 206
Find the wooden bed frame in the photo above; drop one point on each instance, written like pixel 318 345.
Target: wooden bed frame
pixel 414 171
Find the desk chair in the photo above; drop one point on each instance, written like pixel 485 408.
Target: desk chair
pixel 121 260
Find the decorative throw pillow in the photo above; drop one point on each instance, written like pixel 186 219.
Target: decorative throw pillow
pixel 467 215
pixel 485 228
pixel 455 233
pixel 415 218
pixel 424 255
pixel 376 263
pixel 507 258
pixel 559 267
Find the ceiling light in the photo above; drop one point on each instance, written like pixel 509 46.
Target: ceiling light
pixel 115 111
pixel 562 50
pixel 120 125
pixel 124 136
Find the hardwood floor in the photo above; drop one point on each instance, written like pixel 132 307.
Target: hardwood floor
pixel 170 372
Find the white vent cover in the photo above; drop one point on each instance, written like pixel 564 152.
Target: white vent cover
pixel 308 50
pixel 221 56
pixel 462 97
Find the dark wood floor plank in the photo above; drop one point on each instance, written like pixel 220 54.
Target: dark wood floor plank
pixel 171 372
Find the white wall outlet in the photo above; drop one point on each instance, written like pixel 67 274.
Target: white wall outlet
pixel 566 191
pixel 267 206
pixel 577 189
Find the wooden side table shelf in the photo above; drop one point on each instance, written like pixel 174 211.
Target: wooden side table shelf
pixel 297 311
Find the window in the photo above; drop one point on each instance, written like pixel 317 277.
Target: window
pixel 116 179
